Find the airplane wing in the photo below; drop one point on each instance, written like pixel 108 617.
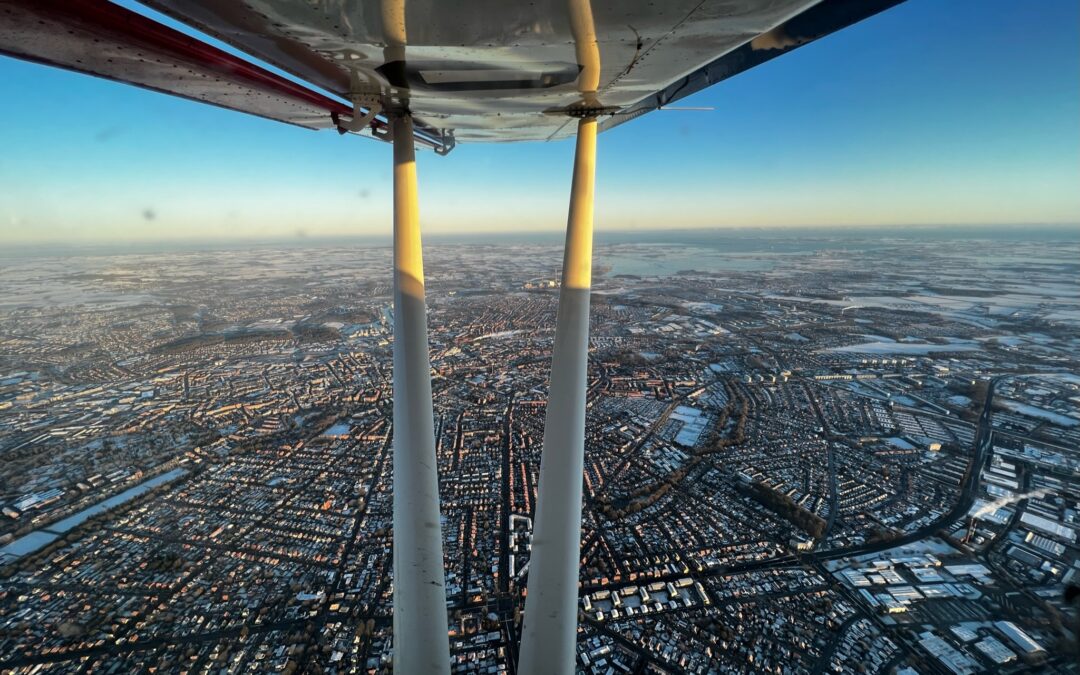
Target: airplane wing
pixel 482 70
pixel 815 22
pixel 492 70
pixel 109 41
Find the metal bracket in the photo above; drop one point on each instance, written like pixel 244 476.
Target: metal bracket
pixel 582 110
pixel 448 142
pixel 440 140
pixel 371 102
pixel 382 133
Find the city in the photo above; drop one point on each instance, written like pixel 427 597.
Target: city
pixel 805 453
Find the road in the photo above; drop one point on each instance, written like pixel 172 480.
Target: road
pixel 834 495
pixel 506 497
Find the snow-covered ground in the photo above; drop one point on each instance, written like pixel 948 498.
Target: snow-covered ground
pixel 880 347
pixel 1040 413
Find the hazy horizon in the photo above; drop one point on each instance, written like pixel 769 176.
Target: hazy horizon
pixel 745 238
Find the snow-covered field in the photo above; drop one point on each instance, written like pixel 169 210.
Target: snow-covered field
pixel 1040 413
pixel 908 348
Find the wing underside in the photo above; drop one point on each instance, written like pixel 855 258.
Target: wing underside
pixel 481 70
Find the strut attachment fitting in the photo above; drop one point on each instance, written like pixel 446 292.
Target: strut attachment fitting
pixel 448 142
pixel 358 122
pixel 583 111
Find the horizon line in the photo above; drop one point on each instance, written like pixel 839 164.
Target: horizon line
pixel 90 243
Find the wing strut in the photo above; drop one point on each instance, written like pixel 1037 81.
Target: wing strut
pixel 420 630
pixel 549 634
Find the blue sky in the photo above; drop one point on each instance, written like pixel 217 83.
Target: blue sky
pixel 958 112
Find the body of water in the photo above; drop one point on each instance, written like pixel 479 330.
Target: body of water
pixel 40 538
